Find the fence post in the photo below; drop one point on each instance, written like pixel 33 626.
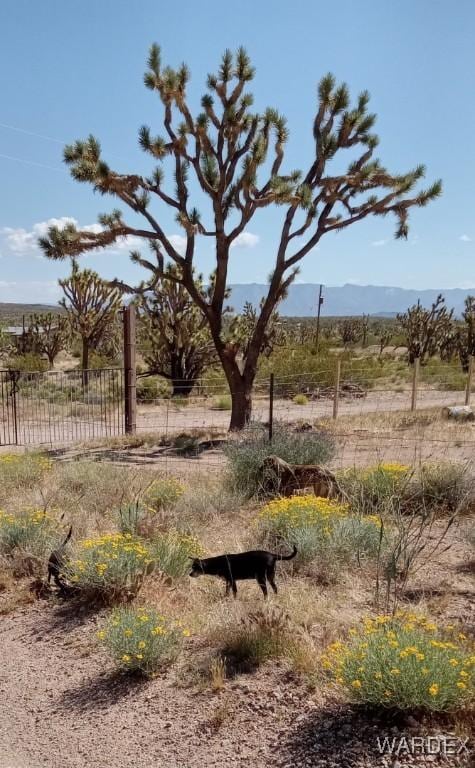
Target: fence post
pixel 271 406
pixel 336 396
pixel 415 383
pixel 468 391
pixel 130 378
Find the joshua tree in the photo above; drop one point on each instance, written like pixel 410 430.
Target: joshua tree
pixel 47 334
pixel 236 158
pixel 179 343
pixel 466 334
pixel 385 338
pixel 350 330
pixel 425 329
pixel 92 306
pixel 242 327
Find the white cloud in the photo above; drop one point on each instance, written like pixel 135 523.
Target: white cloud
pixel 178 242
pixel 245 240
pixel 379 243
pixel 465 239
pixel 34 291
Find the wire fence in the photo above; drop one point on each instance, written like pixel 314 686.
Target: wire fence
pixel 371 419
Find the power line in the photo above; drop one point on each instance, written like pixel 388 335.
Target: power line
pixel 31 162
pixel 31 133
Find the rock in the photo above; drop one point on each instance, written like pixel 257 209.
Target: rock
pixel 460 413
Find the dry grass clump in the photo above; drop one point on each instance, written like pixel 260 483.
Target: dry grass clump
pixel 262 634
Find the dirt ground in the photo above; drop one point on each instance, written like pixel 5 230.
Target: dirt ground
pixel 61 704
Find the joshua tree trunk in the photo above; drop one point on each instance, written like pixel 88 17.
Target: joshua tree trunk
pixel 85 361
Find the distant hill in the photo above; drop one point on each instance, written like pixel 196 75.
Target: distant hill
pixel 348 299
pixel 12 314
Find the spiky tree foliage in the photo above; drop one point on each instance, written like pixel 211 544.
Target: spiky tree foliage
pixel 350 330
pixel 179 346
pixel 236 157
pixel 466 333
pixel 47 334
pixel 385 338
pixel 425 329
pixel 241 331
pixel 91 305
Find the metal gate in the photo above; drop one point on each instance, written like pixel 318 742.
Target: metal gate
pixel 60 407
pixel 9 416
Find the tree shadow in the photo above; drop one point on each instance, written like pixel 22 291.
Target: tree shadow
pixel 65 616
pixel 102 692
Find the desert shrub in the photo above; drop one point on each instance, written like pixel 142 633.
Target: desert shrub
pixel 22 470
pixel 300 400
pixel 150 388
pixel 173 551
pixel 246 453
pixel 29 536
pixel 131 518
pixel 222 403
pixel 265 634
pixel 27 363
pixel 111 567
pixel 141 640
pixel 445 486
pixel 207 496
pixel 369 490
pixel 163 494
pixel 323 532
pixel 404 662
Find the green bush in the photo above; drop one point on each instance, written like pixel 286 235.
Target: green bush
pixel 172 552
pixel 163 494
pixel 30 536
pixel 246 453
pixel 300 400
pixel 131 518
pixel 222 403
pixel 325 535
pixel 370 489
pixel 22 470
pixel 111 567
pixel 150 388
pixel 404 662
pixel 140 639
pixel 27 363
pixel 445 486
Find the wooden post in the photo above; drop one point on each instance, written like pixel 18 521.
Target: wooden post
pixel 319 308
pixel 415 382
pixel 271 406
pixel 130 374
pixel 336 396
pixel 468 391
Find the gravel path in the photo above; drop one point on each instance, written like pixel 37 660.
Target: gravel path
pixel 61 705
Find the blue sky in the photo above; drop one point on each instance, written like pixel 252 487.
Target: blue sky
pixel 73 68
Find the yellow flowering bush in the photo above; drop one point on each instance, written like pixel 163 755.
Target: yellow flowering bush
pixel 142 640
pixel 173 550
pixel 33 533
pixel 110 567
pixel 370 488
pixel 22 470
pixel 322 529
pixel 163 494
pixel 406 662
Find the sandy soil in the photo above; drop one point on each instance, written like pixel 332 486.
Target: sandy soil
pixel 61 704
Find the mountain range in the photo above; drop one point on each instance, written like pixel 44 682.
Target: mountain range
pixel 348 299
